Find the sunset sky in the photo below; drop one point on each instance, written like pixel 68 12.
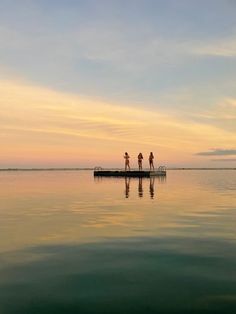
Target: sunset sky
pixel 83 81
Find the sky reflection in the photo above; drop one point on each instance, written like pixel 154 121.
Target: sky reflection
pixel 71 207
pixel 72 244
pixel 151 275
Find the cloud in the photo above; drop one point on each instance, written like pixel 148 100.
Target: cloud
pixel 38 122
pixel 117 46
pixel 222 114
pixel 222 47
pixel 218 152
pixel 230 103
pixel 224 159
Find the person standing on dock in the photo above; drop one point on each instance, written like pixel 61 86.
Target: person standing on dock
pixel 151 157
pixel 126 157
pixel 140 160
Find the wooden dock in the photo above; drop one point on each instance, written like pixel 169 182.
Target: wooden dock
pixel 132 173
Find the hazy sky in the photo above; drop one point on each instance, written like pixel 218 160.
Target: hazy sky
pixel 83 81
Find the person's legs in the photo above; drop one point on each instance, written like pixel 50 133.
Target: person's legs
pixel 139 165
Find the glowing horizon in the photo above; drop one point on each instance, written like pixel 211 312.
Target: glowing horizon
pixel 42 127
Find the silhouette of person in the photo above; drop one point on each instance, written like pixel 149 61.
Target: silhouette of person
pixel 151 157
pixel 140 187
pixel 127 182
pixel 140 160
pixel 126 157
pixel 151 186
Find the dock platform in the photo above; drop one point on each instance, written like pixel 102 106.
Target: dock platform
pixel 131 173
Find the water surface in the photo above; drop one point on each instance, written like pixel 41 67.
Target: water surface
pixel 70 243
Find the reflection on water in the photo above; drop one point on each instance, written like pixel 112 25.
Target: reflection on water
pixel 140 185
pixel 135 181
pixel 72 244
pixel 162 275
pixel 127 184
pixel 151 187
pixel 161 179
pixel 64 207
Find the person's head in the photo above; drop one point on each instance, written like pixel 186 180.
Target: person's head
pixel 126 153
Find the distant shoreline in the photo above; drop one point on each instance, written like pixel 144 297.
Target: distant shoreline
pixel 79 169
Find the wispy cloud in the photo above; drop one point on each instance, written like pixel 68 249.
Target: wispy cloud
pixel 35 119
pixel 218 152
pixel 222 114
pixel 222 47
pixel 224 159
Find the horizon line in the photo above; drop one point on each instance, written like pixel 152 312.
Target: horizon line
pixel 118 168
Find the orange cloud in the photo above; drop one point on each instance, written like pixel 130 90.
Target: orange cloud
pixel 41 126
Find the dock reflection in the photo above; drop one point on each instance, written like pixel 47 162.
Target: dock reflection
pixel 141 183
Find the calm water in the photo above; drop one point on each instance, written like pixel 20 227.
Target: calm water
pixel 72 244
